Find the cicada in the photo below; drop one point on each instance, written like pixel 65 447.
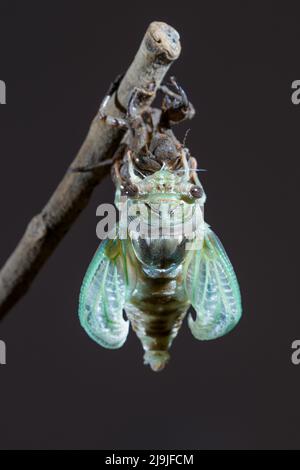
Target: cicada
pixel 144 278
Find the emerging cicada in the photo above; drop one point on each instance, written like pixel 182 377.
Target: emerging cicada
pixel 157 273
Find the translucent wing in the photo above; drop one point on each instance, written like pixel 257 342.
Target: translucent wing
pixel 102 296
pixel 213 290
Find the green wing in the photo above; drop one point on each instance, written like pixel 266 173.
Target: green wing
pixel 102 296
pixel 212 289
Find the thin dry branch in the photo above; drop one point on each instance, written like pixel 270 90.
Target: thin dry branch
pixel 159 48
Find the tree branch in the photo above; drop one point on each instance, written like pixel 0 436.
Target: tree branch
pixel 159 48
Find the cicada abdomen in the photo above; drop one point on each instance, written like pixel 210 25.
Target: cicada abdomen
pixel 164 258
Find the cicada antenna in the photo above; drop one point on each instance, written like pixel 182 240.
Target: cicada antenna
pixel 186 167
pixel 185 136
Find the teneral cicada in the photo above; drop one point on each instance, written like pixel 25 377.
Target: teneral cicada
pixel 155 278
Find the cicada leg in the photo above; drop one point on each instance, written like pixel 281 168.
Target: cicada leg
pixel 111 120
pixel 176 106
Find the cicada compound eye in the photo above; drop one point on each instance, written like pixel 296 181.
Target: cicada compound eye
pixel 129 190
pixel 196 192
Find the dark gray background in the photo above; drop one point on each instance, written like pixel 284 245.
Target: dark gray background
pixel 59 389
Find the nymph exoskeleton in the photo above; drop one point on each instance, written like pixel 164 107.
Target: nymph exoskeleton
pixel 155 278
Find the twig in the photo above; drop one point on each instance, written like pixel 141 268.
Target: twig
pixel 159 48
